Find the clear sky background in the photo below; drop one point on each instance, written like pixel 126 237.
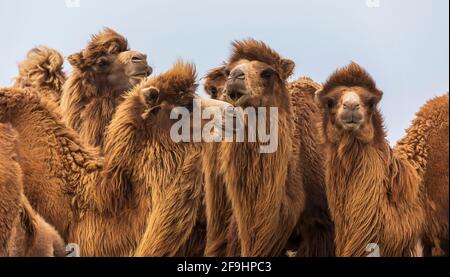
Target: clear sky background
pixel 403 43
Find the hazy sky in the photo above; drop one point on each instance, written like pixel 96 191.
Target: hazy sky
pixel 403 43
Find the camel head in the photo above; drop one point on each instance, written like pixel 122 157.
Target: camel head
pixel 349 102
pixel 214 82
pixel 42 68
pixel 171 90
pixel 109 64
pixel 257 76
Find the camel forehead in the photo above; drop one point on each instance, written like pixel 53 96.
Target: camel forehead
pixel 243 65
pixel 249 67
pixel 351 96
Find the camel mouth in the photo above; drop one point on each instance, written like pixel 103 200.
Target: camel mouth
pixel 351 125
pixel 142 75
pixel 236 97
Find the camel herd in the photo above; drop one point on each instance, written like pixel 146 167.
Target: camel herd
pixel 88 159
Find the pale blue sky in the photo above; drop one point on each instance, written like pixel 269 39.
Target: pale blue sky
pixel 403 43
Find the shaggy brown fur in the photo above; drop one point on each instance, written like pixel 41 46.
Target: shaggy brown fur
pixel 142 152
pixel 427 144
pixel 375 194
pixel 42 69
pixel 46 241
pixel 266 191
pixel 218 208
pixel 315 228
pixel 218 212
pixel 63 180
pixel 23 232
pixel 10 187
pixel 223 241
pixel 101 74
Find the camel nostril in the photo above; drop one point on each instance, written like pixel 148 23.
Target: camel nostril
pixel 235 95
pixel 351 106
pixel 237 75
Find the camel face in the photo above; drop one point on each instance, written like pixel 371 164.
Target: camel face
pixel 170 92
pixel 124 70
pixel 214 83
pixel 257 76
pixel 252 83
pixel 349 108
pixel 108 63
pixel 349 101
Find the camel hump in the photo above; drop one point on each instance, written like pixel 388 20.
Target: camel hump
pixel 304 85
pixel 42 68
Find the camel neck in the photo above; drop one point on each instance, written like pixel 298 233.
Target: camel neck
pixel 354 184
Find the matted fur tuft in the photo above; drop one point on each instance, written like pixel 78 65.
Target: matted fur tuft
pixel 352 75
pixel 253 50
pixel 106 42
pixel 181 77
pixel 42 68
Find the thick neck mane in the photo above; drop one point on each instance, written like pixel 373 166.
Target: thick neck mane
pixel 254 180
pixel 370 192
pixel 166 174
pixel 87 108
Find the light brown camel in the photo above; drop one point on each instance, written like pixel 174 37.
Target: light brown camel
pixel 102 73
pixel 142 153
pixel 267 191
pixel 63 180
pixel 42 69
pixel 22 231
pixel 376 194
pixel 223 241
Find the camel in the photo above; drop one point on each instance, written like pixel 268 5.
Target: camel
pixel 142 153
pixel 68 184
pixel 223 241
pixel 42 69
pixel 63 179
pixel 269 194
pixel 377 195
pixel 101 74
pixel 23 233
pixel 433 170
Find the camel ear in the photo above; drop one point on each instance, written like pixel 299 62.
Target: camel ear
pixel 288 67
pixel 76 60
pixel 151 94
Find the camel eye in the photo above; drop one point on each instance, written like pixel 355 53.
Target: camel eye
pixel 372 104
pixel 213 91
pixel 103 62
pixel 153 96
pixel 329 103
pixel 267 74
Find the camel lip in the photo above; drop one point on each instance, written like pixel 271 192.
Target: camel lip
pixel 351 125
pixel 142 74
pixel 242 98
